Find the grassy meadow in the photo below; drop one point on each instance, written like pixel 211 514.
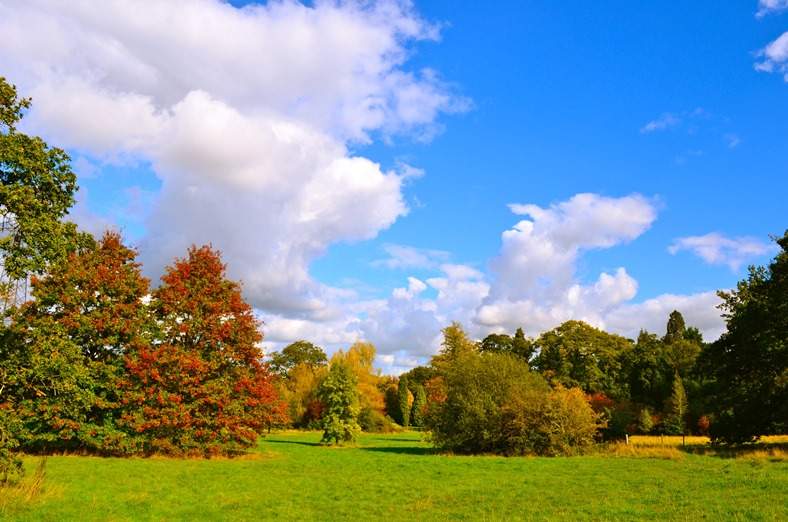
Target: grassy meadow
pixel 399 477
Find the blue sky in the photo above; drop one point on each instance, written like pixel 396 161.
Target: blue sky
pixel 560 92
pixel 656 110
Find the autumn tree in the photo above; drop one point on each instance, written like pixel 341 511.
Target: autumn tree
pixel 299 390
pixel 454 346
pixel 201 386
pixel 339 395
pixel 360 358
pixel 86 314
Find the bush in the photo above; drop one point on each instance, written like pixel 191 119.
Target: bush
pixel 373 421
pixel 495 404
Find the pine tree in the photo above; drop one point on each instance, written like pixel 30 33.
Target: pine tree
pixel 675 423
pixel 404 402
pixel 645 421
pixel 417 411
pixel 676 327
pixel 339 395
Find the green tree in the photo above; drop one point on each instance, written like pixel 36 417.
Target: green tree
pixel 521 346
pixel 419 375
pixel 749 363
pixel 645 421
pixel 455 345
pixel 37 188
pixel 518 344
pixel 676 327
pixel 339 395
pixel 646 372
pixel 404 396
pixel 676 410
pixel 419 402
pixel 578 355
pixel 299 352
pixel 496 343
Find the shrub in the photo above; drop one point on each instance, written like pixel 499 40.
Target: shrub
pixel 495 404
pixel 373 421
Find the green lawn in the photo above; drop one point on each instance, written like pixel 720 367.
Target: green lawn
pixel 396 477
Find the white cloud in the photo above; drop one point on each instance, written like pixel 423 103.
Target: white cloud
pixel 716 249
pixel 538 256
pixel 774 57
pixel 665 121
pixel 770 6
pixel 245 116
pixel 403 256
pixel 699 310
pixel 533 284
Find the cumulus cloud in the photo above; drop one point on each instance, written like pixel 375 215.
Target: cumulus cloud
pixel 770 6
pixel 532 283
pixel 716 249
pixel 774 57
pixel 244 114
pixel 534 277
pixel 248 117
pixel 699 310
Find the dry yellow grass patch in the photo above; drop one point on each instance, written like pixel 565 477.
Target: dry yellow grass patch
pixel 773 448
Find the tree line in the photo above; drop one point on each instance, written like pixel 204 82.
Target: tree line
pixel 570 386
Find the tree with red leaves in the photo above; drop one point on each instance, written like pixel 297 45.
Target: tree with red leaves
pixel 201 387
pixel 68 347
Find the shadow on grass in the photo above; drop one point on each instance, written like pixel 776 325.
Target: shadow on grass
pixel 299 442
pixel 400 450
pixel 389 439
pixel 767 450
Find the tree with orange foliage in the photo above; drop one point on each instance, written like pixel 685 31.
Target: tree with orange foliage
pixel 201 386
pixel 70 342
pixel 360 358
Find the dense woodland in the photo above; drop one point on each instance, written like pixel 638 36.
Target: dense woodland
pixel 95 359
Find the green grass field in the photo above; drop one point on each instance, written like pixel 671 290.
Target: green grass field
pixel 398 477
